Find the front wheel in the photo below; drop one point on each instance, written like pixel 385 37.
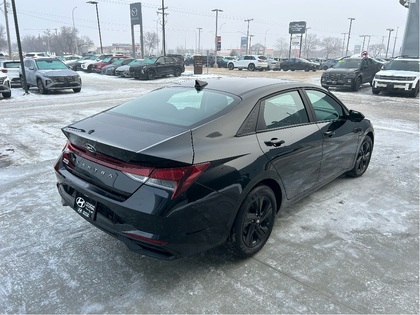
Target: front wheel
pixel 6 94
pixel 363 158
pixel 41 87
pixel 415 92
pixel 251 67
pixel 375 91
pixel 77 90
pixel 177 72
pixel 356 84
pixel 231 66
pixel 254 222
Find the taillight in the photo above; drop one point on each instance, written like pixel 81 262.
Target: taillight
pixel 175 179
pixel 4 70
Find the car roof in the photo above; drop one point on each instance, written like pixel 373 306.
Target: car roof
pixel 242 86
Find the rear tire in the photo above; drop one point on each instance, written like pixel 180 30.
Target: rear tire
pixel 231 66
pixel 177 72
pixel 77 90
pixel 7 94
pixel 151 74
pixel 356 84
pixel 254 222
pixel 251 67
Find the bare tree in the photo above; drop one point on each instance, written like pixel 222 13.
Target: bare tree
pixel 151 41
pixel 3 41
pixel 331 47
pixel 376 49
pixel 311 42
pixel 282 48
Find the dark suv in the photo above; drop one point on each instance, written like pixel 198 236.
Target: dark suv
pixel 154 67
pixel 350 72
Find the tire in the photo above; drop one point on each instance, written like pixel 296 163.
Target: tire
pixel 326 87
pixel 251 67
pixel 41 87
pixel 362 159
pixel 177 72
pixel 375 91
pixel 7 94
pixel 254 222
pixel 89 69
pixel 415 92
pixel 356 84
pixel 151 74
pixel 285 68
pixel 77 90
pixel 231 66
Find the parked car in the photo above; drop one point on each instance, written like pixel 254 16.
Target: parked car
pixel 274 63
pixel 198 164
pixel 110 69
pixel 69 58
pixel 350 72
pixel 124 71
pixel 36 54
pixel 76 64
pixel 222 62
pixel 12 68
pixel 87 65
pixel 154 67
pixel 298 64
pixel 5 85
pixel 399 75
pixel 328 64
pixel 97 66
pixel 50 74
pixel 250 62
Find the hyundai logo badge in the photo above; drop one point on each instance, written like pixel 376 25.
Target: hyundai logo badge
pixel 90 148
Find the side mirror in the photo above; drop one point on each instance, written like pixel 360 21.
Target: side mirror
pixel 356 116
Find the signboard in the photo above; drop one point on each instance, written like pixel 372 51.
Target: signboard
pixel 219 42
pixel 244 43
pixel 297 27
pixel 135 13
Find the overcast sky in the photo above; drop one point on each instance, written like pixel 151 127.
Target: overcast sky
pixel 271 18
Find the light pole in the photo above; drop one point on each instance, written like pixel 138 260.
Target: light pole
pixel 389 38
pixel 344 42
pixel 74 30
pixel 7 29
pixel 364 39
pixel 199 38
pixel 348 38
pixel 215 37
pixel 250 44
pixel 163 27
pixel 395 41
pixel 247 35
pixel 265 40
pixel 99 25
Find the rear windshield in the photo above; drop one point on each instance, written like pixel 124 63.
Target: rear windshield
pixel 178 106
pixel 404 65
pixel 12 64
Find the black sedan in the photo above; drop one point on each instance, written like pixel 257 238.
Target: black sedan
pixel 188 167
pixel 298 64
pixel 155 67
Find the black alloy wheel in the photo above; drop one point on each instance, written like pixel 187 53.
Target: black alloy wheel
pixel 363 158
pixel 254 222
pixel 177 72
pixel 151 74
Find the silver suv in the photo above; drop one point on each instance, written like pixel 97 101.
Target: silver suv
pixel 49 74
pixel 250 62
pixel 399 75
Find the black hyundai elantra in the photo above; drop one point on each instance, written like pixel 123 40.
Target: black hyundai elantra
pixel 188 167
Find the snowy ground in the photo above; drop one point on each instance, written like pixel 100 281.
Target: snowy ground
pixel 351 247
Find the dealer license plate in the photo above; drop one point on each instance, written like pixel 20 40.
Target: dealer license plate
pixel 85 206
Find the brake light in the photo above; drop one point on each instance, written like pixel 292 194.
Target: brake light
pixel 132 234
pixel 176 179
pixel 4 70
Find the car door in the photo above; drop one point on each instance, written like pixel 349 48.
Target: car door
pixel 30 69
pixel 161 67
pixel 369 70
pixel 291 143
pixel 341 136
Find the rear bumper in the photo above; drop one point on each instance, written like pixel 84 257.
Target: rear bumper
pixel 147 223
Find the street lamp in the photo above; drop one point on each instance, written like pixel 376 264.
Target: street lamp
pixel 99 25
pixel 74 30
pixel 199 38
pixel 389 37
pixel 215 37
pixel 247 35
pixel 306 42
pixel 348 38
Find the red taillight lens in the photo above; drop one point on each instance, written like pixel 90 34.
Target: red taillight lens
pixel 175 179
pixel 4 70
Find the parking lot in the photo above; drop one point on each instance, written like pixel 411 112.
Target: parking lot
pixel 351 247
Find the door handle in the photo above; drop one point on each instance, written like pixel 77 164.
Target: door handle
pixel 329 133
pixel 274 142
